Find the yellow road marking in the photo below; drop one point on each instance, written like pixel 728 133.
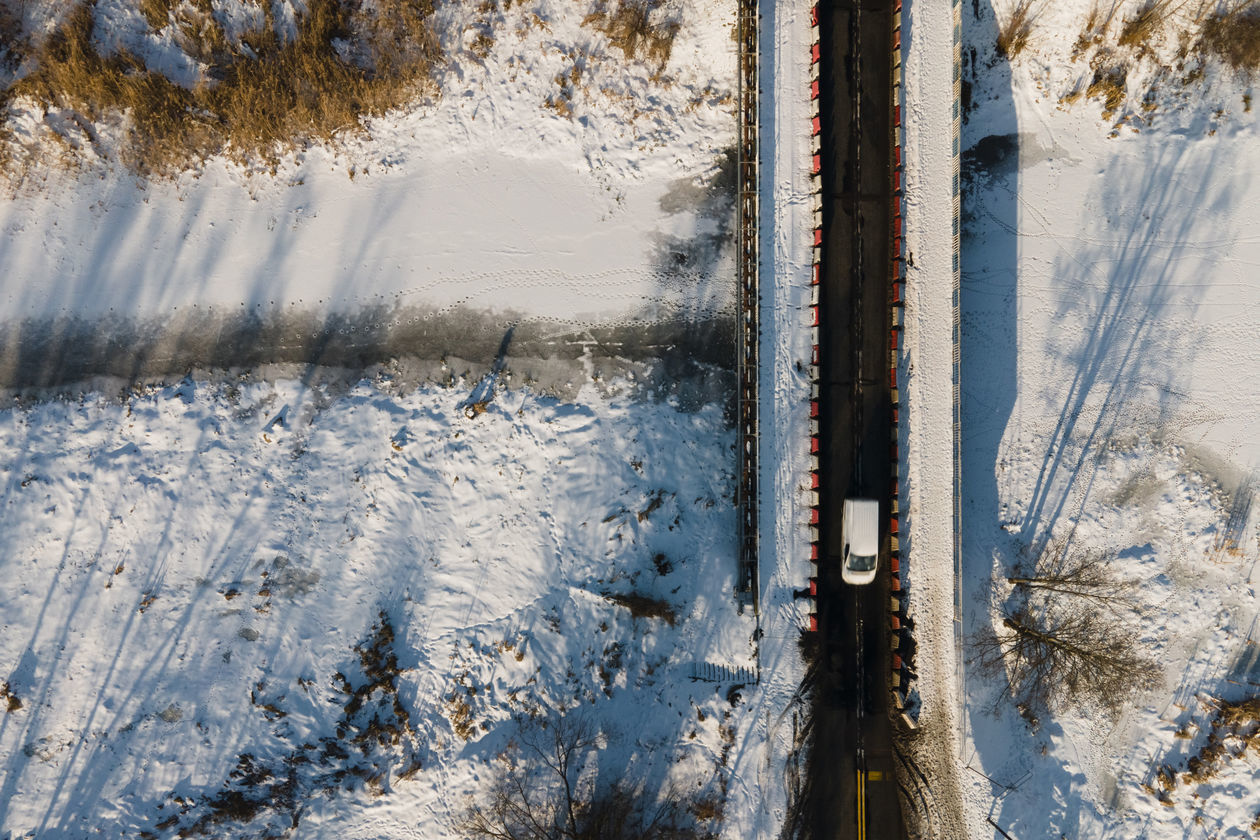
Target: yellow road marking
pixel 861 804
pixel 876 775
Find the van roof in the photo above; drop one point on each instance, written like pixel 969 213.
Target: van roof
pixel 861 522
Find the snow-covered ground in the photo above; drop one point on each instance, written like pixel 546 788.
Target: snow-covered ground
pixel 786 208
pixel 491 197
pixel 926 371
pixel 197 571
pixel 1110 381
pixel 189 570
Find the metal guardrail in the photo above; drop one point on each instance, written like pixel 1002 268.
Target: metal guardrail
pixel 747 332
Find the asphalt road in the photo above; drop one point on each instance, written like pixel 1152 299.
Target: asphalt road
pixel 852 789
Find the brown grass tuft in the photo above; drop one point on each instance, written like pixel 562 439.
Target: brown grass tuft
pixel 1108 85
pixel 200 34
pixel 12 702
pixel 1234 37
pixel 1015 32
pixel 263 95
pixel 158 12
pixel 631 27
pixel 1149 19
pixel 1093 31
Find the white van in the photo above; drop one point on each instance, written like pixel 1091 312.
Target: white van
pixel 860 531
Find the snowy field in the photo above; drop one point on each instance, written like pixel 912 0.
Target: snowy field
pixel 303 600
pixel 1110 404
pixel 190 570
pixel 551 177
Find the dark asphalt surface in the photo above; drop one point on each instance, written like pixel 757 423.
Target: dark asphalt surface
pixel 852 789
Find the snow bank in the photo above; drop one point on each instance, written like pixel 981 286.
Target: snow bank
pixel 927 405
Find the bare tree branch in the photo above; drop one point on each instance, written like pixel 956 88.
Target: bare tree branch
pixel 1052 657
pixel 1084 574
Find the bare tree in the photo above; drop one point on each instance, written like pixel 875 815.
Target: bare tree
pixel 1084 574
pixel 542 791
pixel 1053 656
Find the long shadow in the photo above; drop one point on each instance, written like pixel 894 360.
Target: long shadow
pixel 988 353
pixel 1111 334
pixel 1006 747
pixel 672 357
pixel 1125 348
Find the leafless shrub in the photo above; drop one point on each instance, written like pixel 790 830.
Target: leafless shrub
pixel 1233 36
pixel 1146 23
pixel 264 93
pixel 541 792
pixel 1053 658
pixel 636 28
pixel 1015 32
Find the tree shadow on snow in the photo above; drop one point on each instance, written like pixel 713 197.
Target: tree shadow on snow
pixel 1111 331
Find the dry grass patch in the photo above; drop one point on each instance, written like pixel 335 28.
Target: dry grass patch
pixel 1109 85
pixel 158 12
pixel 1015 32
pixel 638 28
pixel 1233 36
pixel 1146 23
pixel 1093 32
pixel 262 95
pixel 12 702
pixel 200 34
pixel 1234 730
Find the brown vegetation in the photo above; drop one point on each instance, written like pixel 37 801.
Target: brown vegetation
pixel 1108 85
pixel 1233 36
pixel 1056 647
pixel 1084 573
pixel 11 700
pixel 12 39
pixel 1145 24
pixel 1091 33
pixel 1015 32
pixel 259 96
pixel 1053 658
pixel 158 12
pixel 1237 721
pixel 373 739
pixel 636 28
